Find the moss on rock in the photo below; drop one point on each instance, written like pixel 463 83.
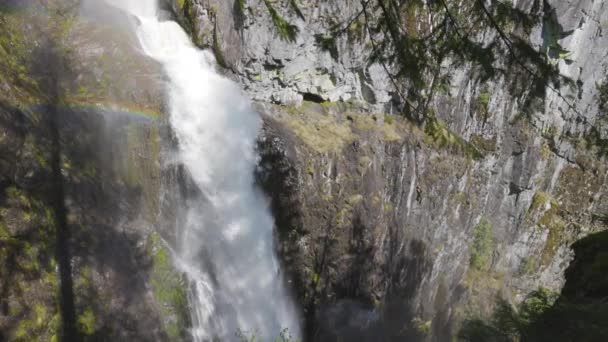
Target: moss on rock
pixel 141 168
pixel 329 127
pixel 169 289
pixel 483 243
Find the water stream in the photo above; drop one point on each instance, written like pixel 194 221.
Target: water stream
pixel 226 243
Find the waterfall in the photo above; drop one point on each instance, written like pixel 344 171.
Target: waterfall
pixel 226 243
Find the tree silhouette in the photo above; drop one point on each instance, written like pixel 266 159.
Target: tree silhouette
pixel 420 44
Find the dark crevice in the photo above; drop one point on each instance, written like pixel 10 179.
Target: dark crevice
pixel 238 10
pixel 271 67
pixel 313 97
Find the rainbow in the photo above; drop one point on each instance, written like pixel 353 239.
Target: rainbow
pixel 139 112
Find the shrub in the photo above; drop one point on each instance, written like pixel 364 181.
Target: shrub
pixel 483 242
pixel 602 98
pixel 286 30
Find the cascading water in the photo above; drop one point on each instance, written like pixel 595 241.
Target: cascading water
pixel 226 242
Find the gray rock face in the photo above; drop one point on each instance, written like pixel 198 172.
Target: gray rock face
pixel 566 111
pixel 275 68
pixel 313 65
pixel 387 218
pixel 379 214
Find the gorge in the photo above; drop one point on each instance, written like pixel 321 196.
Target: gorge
pixel 225 246
pixel 303 170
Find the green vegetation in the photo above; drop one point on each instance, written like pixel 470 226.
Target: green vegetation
pixel 529 266
pixel 27 245
pixel 86 322
pixel 483 144
pixel 321 131
pixel 424 42
pixel 39 325
pixel 540 199
pixel 15 58
pixel 389 119
pixel 443 137
pixel 481 106
pixel 239 7
pixel 169 290
pixel 602 98
pixel 24 62
pixel 185 6
pixel 421 326
pixel 542 316
pixel 354 199
pixel 580 313
pixel 344 215
pixel 29 275
pixel 552 33
pixel 327 43
pixel 32 146
pixel 593 141
pixel 483 244
pixel 296 8
pixel 484 98
pixel 286 31
pixel 217 51
pixel 552 221
pixel 315 279
pixel 508 323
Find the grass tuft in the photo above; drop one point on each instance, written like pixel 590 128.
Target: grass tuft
pixel 286 31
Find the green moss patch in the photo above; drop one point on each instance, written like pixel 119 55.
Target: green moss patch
pixel 483 244
pixel 539 201
pixel 439 135
pixel 602 98
pixel 169 288
pixel 285 30
pixel 140 167
pixel 483 144
pixel 529 265
pixel 86 322
pixel 320 131
pixel 16 46
pixel 330 126
pixel 556 225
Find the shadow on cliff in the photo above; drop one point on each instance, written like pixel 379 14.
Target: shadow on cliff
pixel 36 192
pixel 49 67
pixel 64 211
pixel 354 287
pixel 354 307
pixel 66 261
pixel 579 313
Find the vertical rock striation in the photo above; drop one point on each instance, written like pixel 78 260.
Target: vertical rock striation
pixel 386 225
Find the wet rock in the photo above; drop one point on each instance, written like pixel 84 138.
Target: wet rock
pixel 381 214
pixel 313 62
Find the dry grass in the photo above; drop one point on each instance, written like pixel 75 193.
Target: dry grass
pixel 320 131
pixel 326 128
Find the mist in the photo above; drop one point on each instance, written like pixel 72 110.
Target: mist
pixel 225 244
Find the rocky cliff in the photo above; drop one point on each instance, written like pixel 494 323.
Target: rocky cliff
pixel 284 51
pixel 80 181
pixel 389 226
pixel 395 228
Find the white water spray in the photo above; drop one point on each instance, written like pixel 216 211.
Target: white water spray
pixel 226 248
